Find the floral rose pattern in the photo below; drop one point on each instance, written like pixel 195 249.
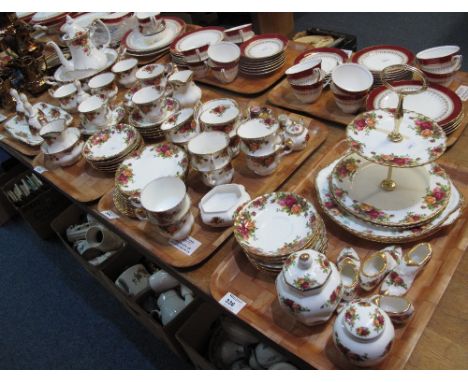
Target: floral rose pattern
pixel 125 174
pixel 394 279
pixel 305 282
pixel 364 124
pixel 334 298
pixel 362 331
pixel 370 212
pixel 437 196
pixel 378 320
pixel 290 261
pixel 324 264
pixel 426 128
pixel 346 168
pixel 436 152
pixel 291 204
pixel 293 306
pixel 219 110
pixel 246 226
pixel 351 316
pixel 348 353
pixel 395 160
pixel 81 41
pixel 164 150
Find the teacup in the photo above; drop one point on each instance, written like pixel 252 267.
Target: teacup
pixel 259 136
pixel 162 281
pixel 217 177
pixel 86 250
pixel 103 239
pixel 267 356
pixel 103 85
pixel 77 232
pixel 162 201
pixel 350 85
pixel 67 96
pixel 94 111
pixel 178 230
pixel 444 79
pixel 170 305
pixel 224 61
pixel 199 69
pixel 308 91
pixel 181 127
pixel 126 71
pixel 209 151
pixel 52 130
pixel 267 164
pixel 440 59
pixel 149 23
pixel 240 33
pixel 230 351
pixel 153 74
pixel 304 72
pixel 134 280
pixel 148 101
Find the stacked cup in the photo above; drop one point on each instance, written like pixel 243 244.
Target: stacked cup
pixel 262 144
pixel 104 86
pixel 196 60
pixel 126 71
pixel 440 64
pixel 181 127
pixel 211 156
pixel 350 85
pixel 306 80
pixel 223 59
pixel 164 202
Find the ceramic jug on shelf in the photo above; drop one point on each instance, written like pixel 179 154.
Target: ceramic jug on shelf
pixel 185 91
pixel 84 54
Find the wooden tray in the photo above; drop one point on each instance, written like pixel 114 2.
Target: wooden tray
pixel 212 238
pixel 314 344
pixel 325 107
pixel 21 147
pixel 80 181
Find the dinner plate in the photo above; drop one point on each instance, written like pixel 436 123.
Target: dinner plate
pixel 46 17
pixel 423 139
pixel 137 42
pixel 110 142
pixel 331 57
pixel 378 57
pixel 437 102
pixel 154 161
pixel 275 224
pixel 420 195
pixel 198 38
pixel 382 234
pixel 264 45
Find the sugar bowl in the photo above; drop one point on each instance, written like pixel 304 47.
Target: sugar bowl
pixel 309 287
pixel 363 333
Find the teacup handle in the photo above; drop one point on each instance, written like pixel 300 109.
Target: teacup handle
pixel 141 214
pixel 101 23
pixel 123 285
pixel 169 68
pixel 135 202
pixel 286 147
pixel 199 56
pixel 457 62
pixel 223 73
pixel 242 35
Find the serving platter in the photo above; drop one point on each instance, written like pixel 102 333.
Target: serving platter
pixel 314 344
pixel 21 147
pixel 209 237
pixel 80 181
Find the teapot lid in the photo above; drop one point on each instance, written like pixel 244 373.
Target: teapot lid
pixel 364 320
pixel 306 270
pixel 295 128
pixel 72 29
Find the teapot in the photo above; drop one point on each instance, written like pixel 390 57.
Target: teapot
pixel 309 287
pixel 85 55
pixel 185 91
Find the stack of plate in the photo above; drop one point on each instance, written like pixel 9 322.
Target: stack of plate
pixel 376 58
pixel 106 149
pixel 152 130
pixel 272 226
pixel 263 54
pixel 149 48
pixel 424 199
pixel 135 172
pixel 331 58
pixel 437 102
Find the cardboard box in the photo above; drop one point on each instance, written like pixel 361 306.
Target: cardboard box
pixel 195 335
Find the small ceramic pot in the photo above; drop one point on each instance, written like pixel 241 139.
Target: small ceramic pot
pixel 126 71
pixel 162 281
pixel 309 287
pixel 103 239
pixel 94 111
pixel 297 134
pixel 103 85
pixel 218 206
pixel 209 151
pixel 440 59
pixel 67 97
pixel 134 280
pixel 162 201
pixel 363 333
pixel 181 127
pixel 149 23
pixel 149 103
pixel 170 305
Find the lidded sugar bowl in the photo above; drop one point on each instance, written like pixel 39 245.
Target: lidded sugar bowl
pixel 363 333
pixel 309 287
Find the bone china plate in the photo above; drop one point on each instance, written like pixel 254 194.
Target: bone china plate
pixel 275 224
pixel 199 37
pixel 437 102
pixel 110 142
pixel 264 46
pixel 423 140
pixel 382 234
pixel 421 192
pixel 378 57
pixel 154 161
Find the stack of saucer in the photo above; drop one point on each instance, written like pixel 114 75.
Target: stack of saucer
pixel 263 54
pixel 272 226
pixel 437 102
pixel 376 58
pixel 106 149
pixel 152 130
pixel 135 172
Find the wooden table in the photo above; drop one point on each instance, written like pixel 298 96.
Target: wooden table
pixel 444 343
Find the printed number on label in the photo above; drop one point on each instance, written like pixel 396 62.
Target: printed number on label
pixel 233 303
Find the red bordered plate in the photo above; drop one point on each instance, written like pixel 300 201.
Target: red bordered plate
pixel 378 57
pixel 197 38
pixel 437 102
pixel 264 46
